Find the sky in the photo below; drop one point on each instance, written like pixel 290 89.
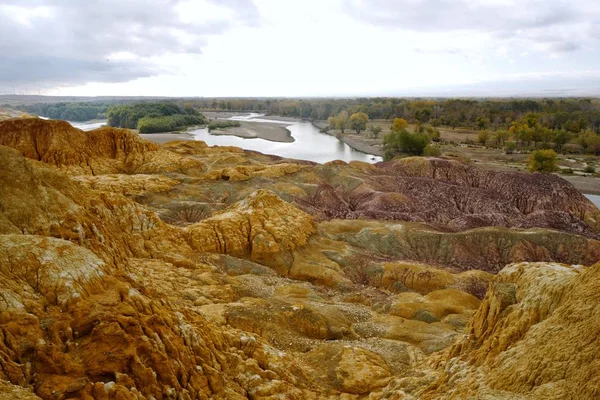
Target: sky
pixel 229 48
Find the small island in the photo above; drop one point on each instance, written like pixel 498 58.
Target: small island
pixel 155 117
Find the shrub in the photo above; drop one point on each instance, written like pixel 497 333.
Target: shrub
pixel 510 147
pixel 542 161
pixel 483 137
pixel 567 171
pixel 222 124
pixel 167 123
pixel 374 131
pixel 403 142
pixel 433 134
pixel 431 151
pixel 590 169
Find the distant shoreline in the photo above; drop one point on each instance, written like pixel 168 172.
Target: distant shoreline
pixel 356 142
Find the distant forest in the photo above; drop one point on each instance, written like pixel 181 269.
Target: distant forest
pixel 571 114
pixel 78 112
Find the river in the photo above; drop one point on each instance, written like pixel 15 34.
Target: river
pixel 594 198
pixel 89 125
pixel 309 144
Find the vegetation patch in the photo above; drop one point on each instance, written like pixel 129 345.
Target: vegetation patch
pixel 154 117
pixel 542 161
pixel 77 112
pixel 222 124
pixel 168 123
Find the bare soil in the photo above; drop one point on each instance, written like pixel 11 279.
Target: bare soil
pixel 161 138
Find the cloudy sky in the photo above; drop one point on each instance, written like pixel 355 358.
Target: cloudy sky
pixel 299 47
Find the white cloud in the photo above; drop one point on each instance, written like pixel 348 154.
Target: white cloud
pixel 292 47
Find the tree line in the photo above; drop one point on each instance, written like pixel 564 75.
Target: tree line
pixel 153 117
pixel 78 112
pixel 570 114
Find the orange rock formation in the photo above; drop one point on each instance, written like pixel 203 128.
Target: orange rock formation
pixel 259 290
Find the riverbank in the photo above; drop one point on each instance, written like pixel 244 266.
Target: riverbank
pixel 356 142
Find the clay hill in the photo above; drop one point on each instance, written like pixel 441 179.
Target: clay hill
pixel 130 270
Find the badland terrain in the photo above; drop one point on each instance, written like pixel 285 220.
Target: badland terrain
pixel 132 270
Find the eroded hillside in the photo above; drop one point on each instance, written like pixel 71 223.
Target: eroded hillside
pixel 130 270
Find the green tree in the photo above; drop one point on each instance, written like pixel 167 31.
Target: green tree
pixel 399 124
pixel 432 133
pixel 482 122
pixel 423 115
pixel 531 120
pixel 339 122
pixel 501 137
pixel 510 147
pixel 342 121
pixel 483 137
pixel 590 141
pixel 431 151
pixel 374 131
pixel 358 122
pixel 521 132
pixel 545 136
pixel 332 122
pixel 542 161
pixel 561 137
pixel 400 141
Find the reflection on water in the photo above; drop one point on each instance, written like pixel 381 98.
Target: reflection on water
pixel 88 126
pixel 594 198
pixel 309 144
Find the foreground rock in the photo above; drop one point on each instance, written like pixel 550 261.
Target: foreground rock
pixel 133 271
pixel 534 336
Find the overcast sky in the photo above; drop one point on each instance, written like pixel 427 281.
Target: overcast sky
pixel 299 47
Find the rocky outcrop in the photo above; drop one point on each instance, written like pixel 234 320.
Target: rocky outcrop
pixel 132 271
pixel 243 173
pixel 37 199
pixel 534 335
pixel 450 195
pixel 102 151
pixel 487 249
pixel 262 227
pixel 8 391
pixel 128 185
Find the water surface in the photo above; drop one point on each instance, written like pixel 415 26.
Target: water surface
pixel 309 144
pixel 594 198
pixel 88 125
